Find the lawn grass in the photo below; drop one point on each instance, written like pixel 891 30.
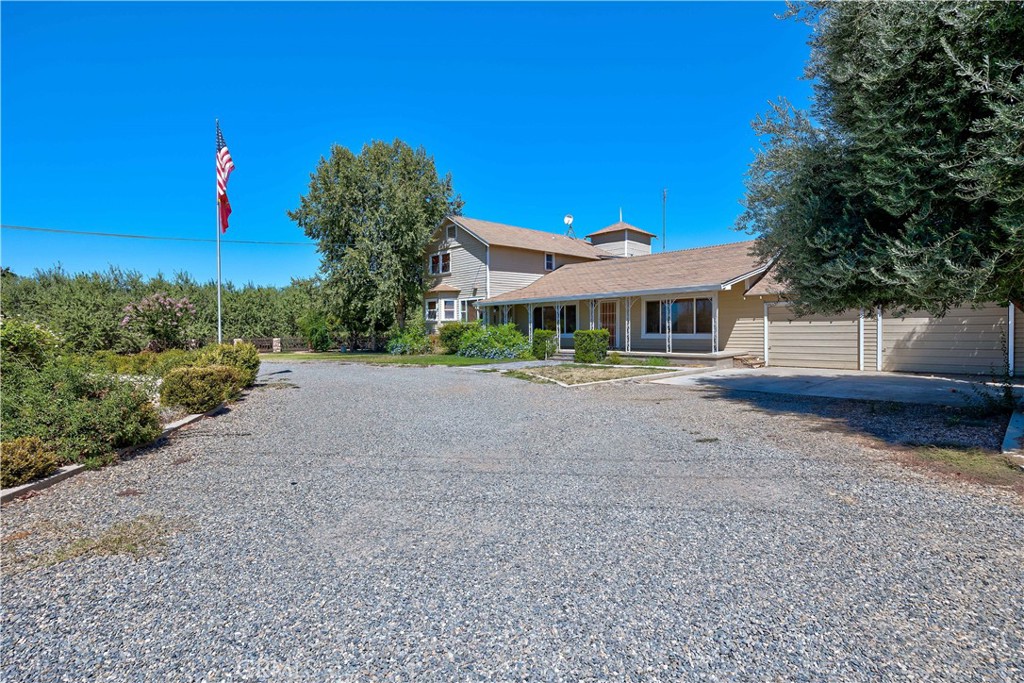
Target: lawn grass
pixel 973 464
pixel 380 358
pixel 570 373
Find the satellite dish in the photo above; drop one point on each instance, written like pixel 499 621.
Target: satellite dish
pixel 568 219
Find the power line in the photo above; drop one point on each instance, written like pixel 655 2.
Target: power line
pixel 151 237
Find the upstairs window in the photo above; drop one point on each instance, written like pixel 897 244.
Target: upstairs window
pixel 450 234
pixel 549 261
pixel 441 263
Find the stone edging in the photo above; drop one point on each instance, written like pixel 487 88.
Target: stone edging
pixel 68 471
pixel 643 378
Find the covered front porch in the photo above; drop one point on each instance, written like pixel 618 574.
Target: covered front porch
pixel 667 325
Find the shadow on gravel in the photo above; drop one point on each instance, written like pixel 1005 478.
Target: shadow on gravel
pixel 896 424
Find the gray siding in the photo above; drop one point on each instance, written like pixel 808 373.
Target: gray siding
pixel 1018 349
pixel 469 270
pixel 740 322
pixel 965 341
pixel 513 269
pixel 812 341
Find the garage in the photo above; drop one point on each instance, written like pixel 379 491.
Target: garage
pixel 813 341
pixel 965 341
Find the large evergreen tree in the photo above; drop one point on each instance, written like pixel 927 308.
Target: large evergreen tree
pixel 904 186
pixel 373 215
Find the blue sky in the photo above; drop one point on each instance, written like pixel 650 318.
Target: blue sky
pixel 537 110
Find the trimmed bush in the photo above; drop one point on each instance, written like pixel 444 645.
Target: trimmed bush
pixel 613 358
pixel 451 333
pixel 243 357
pixel 591 345
pixel 494 342
pixel 544 345
pixel 143 363
pixel 29 343
pixel 24 459
pixel 82 414
pixel 199 389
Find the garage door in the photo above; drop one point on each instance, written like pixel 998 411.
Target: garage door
pixel 813 341
pixel 965 341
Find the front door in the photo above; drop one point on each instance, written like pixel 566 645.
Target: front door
pixel 608 320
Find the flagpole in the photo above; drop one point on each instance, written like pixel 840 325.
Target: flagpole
pixel 216 193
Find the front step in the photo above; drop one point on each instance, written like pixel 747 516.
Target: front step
pixel 748 362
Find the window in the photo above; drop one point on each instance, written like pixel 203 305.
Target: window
pixel 464 311
pixel 450 234
pixel 652 317
pixel 686 316
pixel 432 309
pixel 449 309
pixel 441 263
pixel 549 261
pixel 544 318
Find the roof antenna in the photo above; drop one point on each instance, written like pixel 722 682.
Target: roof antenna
pixel 568 222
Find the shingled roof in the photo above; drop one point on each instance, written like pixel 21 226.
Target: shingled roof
pixel 766 286
pixel 616 227
pixel 705 268
pixel 500 235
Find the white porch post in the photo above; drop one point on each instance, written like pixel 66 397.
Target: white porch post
pixel 714 324
pixel 558 327
pixel 1011 336
pixel 593 314
pixel 766 334
pixel 629 324
pixel 666 305
pixel 529 316
pixel 860 340
pixel 878 338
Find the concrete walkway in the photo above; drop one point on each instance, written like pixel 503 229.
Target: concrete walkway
pixel 872 386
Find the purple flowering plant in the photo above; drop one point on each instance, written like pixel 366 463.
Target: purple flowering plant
pixel 160 318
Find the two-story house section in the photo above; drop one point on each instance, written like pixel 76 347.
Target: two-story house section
pixel 470 260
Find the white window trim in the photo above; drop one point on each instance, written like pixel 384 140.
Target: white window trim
pixel 553 264
pixel 440 262
pixel 426 310
pixel 467 304
pixel 441 310
pixel 644 334
pixel 451 233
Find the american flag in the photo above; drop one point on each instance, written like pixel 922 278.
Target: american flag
pixel 224 168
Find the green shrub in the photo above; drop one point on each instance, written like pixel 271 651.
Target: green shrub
pixel 544 345
pixel 23 342
pixel 82 414
pixel 316 330
pixel 143 363
pixel 613 358
pixel 199 389
pixel 411 341
pixel 494 342
pixel 591 345
pixel 24 459
pixel 243 357
pixel 451 335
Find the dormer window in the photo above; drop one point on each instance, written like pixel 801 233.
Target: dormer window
pixel 441 263
pixel 451 232
pixel 549 261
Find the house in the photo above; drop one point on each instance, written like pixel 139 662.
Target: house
pixel 710 304
pixel 470 260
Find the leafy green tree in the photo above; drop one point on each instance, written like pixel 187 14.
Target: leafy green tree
pixel 373 215
pixel 904 186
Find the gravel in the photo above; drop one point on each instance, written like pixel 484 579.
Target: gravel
pixel 354 523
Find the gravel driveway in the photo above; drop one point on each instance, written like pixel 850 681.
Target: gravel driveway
pixel 354 523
